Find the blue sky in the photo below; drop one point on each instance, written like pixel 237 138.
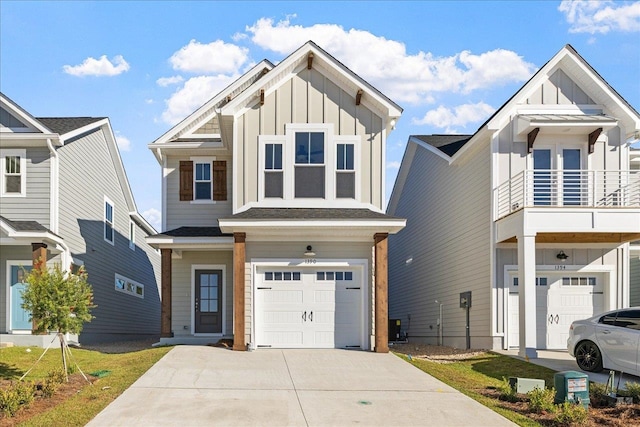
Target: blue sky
pixel 146 65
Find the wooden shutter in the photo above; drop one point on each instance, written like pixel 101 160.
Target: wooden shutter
pixel 186 180
pixel 220 180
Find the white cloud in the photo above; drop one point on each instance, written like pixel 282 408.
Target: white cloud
pixel 123 142
pixel 154 216
pixel 601 16
pixel 215 57
pixel 148 101
pixel 443 117
pixel 195 92
pixel 98 67
pixel 402 76
pixel 393 165
pixel 166 81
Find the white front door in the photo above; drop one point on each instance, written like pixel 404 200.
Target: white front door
pixel 557 176
pixel 308 308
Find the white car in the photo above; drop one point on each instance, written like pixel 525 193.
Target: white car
pixel 609 340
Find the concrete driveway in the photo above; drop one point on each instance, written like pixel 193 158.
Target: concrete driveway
pixel 199 385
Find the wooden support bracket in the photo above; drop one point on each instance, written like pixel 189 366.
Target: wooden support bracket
pixel 359 96
pixel 261 96
pixel 593 136
pixel 309 60
pixel 531 138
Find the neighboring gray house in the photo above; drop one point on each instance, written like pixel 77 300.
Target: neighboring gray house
pixel 519 229
pixel 64 196
pixel 272 206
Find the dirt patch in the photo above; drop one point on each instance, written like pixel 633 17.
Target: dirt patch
pixel 435 353
pixel 41 404
pixel 120 346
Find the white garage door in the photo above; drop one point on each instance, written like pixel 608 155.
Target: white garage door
pixel 559 301
pixel 302 308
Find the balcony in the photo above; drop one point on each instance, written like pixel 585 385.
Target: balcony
pixel 568 189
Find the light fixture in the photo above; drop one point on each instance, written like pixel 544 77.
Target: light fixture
pixel 562 256
pixel 309 251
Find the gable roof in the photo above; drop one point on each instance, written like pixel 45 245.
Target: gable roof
pixel 24 116
pixel 63 125
pixel 344 77
pixel 448 144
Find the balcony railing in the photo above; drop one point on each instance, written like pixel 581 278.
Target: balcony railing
pixel 569 188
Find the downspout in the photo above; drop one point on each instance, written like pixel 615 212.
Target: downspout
pixel 65 256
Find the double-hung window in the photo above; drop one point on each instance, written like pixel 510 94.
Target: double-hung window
pixel 202 181
pixel 345 172
pixel 273 172
pixel 14 170
pixel 108 220
pixel 309 169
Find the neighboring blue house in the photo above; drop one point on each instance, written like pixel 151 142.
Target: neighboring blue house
pixel 64 196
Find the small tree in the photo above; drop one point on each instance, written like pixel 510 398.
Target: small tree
pixel 59 301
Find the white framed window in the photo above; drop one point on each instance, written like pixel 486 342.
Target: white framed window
pixel 132 235
pixel 128 286
pixel 108 220
pixel 309 166
pixel 13 180
pixel 203 179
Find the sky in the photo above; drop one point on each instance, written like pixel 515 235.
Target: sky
pixel 146 65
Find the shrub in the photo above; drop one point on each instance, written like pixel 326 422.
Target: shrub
pixel 15 396
pixel 633 390
pixel 598 395
pixel 57 376
pixel 571 414
pixel 507 392
pixel 541 400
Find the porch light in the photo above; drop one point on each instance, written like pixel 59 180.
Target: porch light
pixel 562 256
pixel 309 251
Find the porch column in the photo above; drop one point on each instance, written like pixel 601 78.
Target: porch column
pixel 165 307
pixel 381 297
pixel 527 295
pixel 39 256
pixel 238 291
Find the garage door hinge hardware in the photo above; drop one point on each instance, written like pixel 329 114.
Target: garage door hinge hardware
pixel 263 288
pixel 353 288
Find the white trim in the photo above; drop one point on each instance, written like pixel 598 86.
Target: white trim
pixel 22 154
pixel 113 221
pixel 223 302
pixel 13 263
pixel 312 263
pixel 54 189
pixel 132 234
pixel 165 173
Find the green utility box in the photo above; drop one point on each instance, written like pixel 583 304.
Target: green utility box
pixel 525 385
pixel 572 386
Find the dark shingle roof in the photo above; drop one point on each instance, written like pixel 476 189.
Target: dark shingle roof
pixel 25 225
pixel 62 125
pixel 309 213
pixel 448 144
pixel 194 232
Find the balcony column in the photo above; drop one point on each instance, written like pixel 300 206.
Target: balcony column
pixel 527 295
pixel 238 291
pixel 165 283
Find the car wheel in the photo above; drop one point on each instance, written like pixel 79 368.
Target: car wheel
pixel 588 356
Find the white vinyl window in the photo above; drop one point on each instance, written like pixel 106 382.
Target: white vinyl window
pixel 14 173
pixel 128 286
pixel 108 221
pixel 273 172
pixel 309 170
pixel 202 181
pixel 132 235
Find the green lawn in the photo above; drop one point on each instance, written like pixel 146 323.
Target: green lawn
pixel 470 376
pixel 125 369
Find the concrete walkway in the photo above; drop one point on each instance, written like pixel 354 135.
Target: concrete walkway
pixel 199 385
pixel 560 360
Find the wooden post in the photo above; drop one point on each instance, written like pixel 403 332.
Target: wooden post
pixel 381 289
pixel 238 291
pixel 165 307
pixel 38 262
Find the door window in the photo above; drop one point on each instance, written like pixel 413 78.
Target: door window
pixel 542 177
pixel 571 177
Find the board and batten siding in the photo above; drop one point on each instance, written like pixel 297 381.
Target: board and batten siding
pixel 87 175
pixel 294 250
pixel 444 249
pixel 310 97
pixel 182 289
pixel 188 213
pixel 36 205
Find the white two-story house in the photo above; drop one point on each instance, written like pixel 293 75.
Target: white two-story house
pixel 65 199
pixel 519 229
pixel 274 231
